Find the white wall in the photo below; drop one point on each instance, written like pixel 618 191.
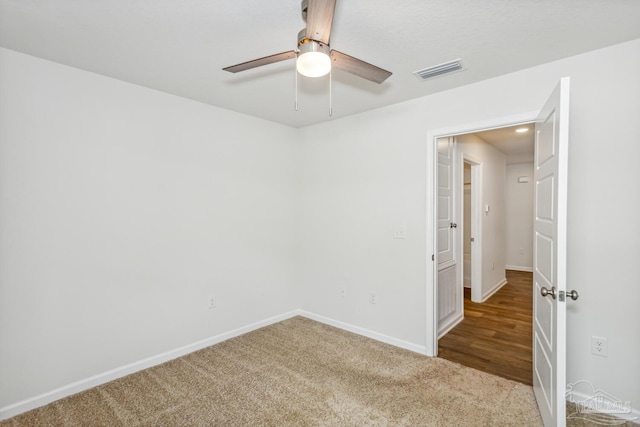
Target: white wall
pixel 357 179
pixel 492 226
pixel 360 175
pixel 121 210
pixel 519 218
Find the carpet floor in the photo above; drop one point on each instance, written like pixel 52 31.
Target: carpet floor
pixel 297 373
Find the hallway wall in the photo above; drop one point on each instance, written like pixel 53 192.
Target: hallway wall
pixel 492 223
pixel 519 217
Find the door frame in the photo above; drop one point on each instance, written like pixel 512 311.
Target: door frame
pixel 431 289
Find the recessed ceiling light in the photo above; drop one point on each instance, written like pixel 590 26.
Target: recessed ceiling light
pixel 522 130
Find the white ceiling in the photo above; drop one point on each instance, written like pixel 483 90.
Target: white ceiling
pixel 181 46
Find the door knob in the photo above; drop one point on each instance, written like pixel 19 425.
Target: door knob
pixel 453 225
pixel 544 292
pixel 573 295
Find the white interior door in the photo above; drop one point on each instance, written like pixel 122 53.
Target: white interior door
pixel 449 298
pixel 549 263
pixel 445 201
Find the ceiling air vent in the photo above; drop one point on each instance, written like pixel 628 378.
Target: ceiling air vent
pixel 438 70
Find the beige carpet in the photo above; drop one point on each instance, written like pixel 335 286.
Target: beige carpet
pixel 297 373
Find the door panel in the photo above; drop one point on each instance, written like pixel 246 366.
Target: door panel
pixel 543 368
pixel 445 200
pixel 545 258
pixel 544 199
pixel 449 288
pixel 549 263
pixel 447 295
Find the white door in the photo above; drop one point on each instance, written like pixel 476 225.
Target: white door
pixel 549 262
pixel 449 300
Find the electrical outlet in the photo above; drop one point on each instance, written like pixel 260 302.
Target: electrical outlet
pixel 599 346
pixel 521 251
pixel 212 301
pixel 343 293
pixel 373 297
pixel 399 232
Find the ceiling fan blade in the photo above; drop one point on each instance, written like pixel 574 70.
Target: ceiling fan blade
pixel 360 68
pixel 319 19
pixel 261 61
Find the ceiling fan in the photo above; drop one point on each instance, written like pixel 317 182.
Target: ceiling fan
pixel 314 57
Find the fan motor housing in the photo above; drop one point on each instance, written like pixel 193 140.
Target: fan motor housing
pixel 308 45
pixel 303 39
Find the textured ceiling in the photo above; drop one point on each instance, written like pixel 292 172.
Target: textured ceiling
pixel 181 46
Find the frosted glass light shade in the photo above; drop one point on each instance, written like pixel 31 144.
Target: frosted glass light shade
pixel 313 60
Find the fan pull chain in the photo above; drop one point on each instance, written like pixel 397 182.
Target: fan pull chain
pixel 295 68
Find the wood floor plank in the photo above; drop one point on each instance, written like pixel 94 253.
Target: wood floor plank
pixel 495 336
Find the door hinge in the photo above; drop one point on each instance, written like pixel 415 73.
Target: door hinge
pixel 433 257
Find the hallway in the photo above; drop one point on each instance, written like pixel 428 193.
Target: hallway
pixel 495 336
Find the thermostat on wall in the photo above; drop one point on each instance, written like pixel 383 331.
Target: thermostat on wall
pixel 523 179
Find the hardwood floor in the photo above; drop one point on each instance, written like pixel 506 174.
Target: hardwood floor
pixel 495 336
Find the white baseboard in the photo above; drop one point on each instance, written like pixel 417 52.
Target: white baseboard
pixel 632 415
pixel 365 332
pixel 519 268
pixel 105 377
pixel 493 290
pixel 96 380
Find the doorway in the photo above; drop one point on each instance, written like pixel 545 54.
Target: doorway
pixel 550 229
pixel 495 318
pixel 484 264
pixel 472 202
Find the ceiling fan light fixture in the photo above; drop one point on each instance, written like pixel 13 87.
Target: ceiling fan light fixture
pixel 313 59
